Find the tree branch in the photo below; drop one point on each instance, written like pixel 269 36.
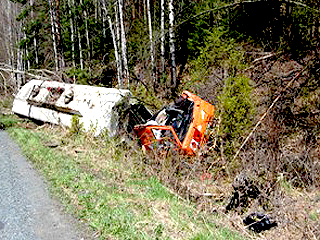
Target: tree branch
pixel 22 72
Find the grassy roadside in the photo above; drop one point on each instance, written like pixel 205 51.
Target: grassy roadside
pixel 102 183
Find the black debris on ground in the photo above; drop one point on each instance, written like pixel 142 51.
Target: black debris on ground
pixel 244 189
pixel 259 222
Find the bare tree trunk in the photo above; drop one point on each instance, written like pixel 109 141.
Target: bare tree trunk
pixel 85 16
pixel 35 43
pixel 19 67
pixel 19 52
pixel 151 43
pixel 80 50
pixel 77 31
pixel 11 35
pixel 11 52
pixel 104 31
pixel 6 30
pixel 72 39
pixel 14 55
pixel 123 46
pixel 172 46
pixel 27 54
pixel 26 62
pixel 116 52
pixel 144 10
pixel 118 43
pixel 96 11
pixel 162 37
pixel 54 37
pixel 58 34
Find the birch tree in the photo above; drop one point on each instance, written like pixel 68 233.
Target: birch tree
pixel 123 45
pixel 77 30
pixel 72 37
pixel 58 34
pixel 35 43
pixel 11 40
pixel 162 40
pixel 19 58
pixel 85 16
pixel 115 45
pixel 4 43
pixel 151 43
pixel 11 35
pixel 118 43
pixel 54 8
pixel 172 46
pixel 53 32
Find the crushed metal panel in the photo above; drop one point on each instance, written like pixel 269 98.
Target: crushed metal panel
pixel 187 121
pixel 56 102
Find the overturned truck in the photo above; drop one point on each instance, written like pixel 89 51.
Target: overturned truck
pixel 97 107
pixel 181 126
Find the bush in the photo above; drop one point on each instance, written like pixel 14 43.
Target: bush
pixel 236 110
pixel 76 127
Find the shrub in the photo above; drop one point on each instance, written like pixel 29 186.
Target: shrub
pixel 76 126
pixel 236 110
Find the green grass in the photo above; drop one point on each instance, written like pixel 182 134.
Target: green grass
pixel 7 121
pixel 105 190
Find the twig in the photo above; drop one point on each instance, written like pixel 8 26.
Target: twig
pixel 268 110
pixel 266 57
pixel 259 53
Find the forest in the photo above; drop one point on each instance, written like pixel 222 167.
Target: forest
pixel 257 61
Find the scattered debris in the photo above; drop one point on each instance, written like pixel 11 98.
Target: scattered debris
pixel 243 189
pixel 259 222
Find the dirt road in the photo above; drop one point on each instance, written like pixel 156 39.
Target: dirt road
pixel 26 210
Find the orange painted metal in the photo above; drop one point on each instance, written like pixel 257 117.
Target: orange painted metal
pixel 153 137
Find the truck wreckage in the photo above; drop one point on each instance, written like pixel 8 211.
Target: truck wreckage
pixel 181 126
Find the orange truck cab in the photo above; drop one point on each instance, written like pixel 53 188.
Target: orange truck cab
pixel 181 126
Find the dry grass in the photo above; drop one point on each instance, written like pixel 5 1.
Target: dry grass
pixel 161 211
pixel 200 181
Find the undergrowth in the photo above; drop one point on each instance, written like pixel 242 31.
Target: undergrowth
pixel 108 187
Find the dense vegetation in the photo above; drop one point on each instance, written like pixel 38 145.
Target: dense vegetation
pixel 257 61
